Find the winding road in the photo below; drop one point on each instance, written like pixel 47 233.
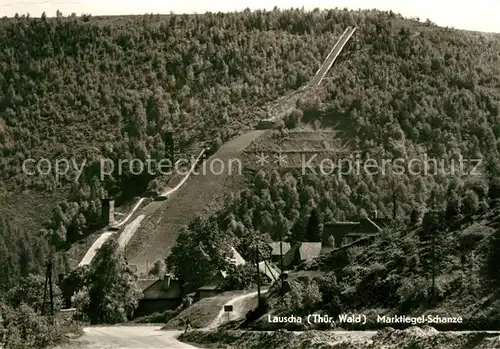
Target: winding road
pixel 139 337
pixel 142 337
pixel 148 337
pixel 128 337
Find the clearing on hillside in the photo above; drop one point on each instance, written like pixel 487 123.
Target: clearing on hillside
pixel 297 148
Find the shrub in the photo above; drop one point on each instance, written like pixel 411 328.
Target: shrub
pixel 378 287
pixel 159 269
pixel 30 291
pixel 157 318
pixel 240 277
pixel 24 328
pixel 304 298
pixel 412 293
pixel 471 202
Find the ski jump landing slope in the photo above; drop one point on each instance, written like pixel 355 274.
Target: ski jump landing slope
pixel 164 219
pixel 160 222
pixel 89 256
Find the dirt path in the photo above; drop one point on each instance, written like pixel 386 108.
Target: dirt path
pixel 135 337
pixel 89 256
pixel 125 220
pixel 129 231
pixel 127 337
pixel 240 308
pixel 131 228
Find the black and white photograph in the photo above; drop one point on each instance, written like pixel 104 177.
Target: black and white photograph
pixel 265 175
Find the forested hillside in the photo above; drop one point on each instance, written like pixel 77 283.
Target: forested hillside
pixel 85 88
pixel 406 92
pixel 445 266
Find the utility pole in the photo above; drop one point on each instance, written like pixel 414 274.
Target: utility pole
pixel 394 205
pixel 258 273
pixel 433 250
pixel 48 282
pixel 281 267
pixel 49 272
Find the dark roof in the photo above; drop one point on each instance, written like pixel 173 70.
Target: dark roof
pixel 215 282
pixel 158 290
pixel 365 226
pixel 378 223
pixel 219 276
pixel 275 245
pixel 144 284
pixel 208 288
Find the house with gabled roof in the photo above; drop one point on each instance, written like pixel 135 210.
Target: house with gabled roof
pixel 159 295
pixel 301 252
pixel 266 268
pixel 338 234
pixel 214 286
pixel 236 257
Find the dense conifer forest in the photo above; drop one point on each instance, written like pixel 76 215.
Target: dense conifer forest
pixel 92 88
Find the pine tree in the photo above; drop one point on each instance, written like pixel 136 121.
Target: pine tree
pixel 314 228
pixel 432 246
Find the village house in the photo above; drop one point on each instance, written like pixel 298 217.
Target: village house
pixel 276 250
pixel 159 295
pixel 335 235
pixel 214 286
pixel 338 234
